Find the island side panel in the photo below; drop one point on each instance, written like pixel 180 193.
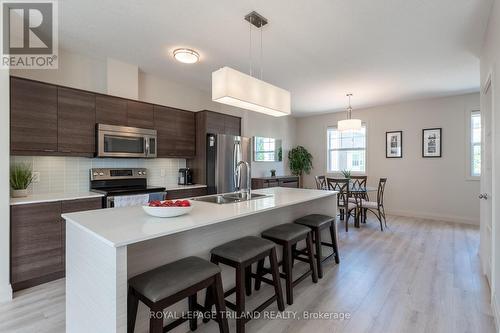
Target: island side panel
pixel 96 284
pixel 147 255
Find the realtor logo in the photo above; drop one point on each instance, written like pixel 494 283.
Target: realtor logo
pixel 29 34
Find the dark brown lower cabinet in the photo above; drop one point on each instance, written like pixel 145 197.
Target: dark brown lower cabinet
pixel 186 193
pixel 280 181
pixel 38 240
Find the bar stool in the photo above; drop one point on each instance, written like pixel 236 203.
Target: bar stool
pixel 241 254
pixel 168 284
pixel 317 223
pixel 288 235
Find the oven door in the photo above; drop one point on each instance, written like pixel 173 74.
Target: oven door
pixel 133 200
pixel 117 141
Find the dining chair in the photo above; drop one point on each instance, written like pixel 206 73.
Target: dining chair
pixel 345 207
pixel 377 207
pixel 360 182
pixel 320 182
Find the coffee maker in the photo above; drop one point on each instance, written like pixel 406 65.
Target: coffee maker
pixel 185 176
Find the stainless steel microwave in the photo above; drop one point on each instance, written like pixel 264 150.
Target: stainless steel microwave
pixel 122 141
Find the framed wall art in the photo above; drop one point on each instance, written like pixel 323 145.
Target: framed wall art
pixel 394 144
pixel 431 142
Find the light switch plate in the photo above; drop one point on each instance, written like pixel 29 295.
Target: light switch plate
pixel 162 173
pixel 36 177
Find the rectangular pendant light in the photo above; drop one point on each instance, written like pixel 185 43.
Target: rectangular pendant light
pixel 235 88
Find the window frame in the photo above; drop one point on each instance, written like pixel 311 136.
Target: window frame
pixel 327 151
pixel 469 145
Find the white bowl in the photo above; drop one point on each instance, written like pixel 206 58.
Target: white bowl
pixel 167 211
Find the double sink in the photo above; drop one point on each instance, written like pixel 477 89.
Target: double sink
pixel 227 198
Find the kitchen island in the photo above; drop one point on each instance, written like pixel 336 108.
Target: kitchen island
pixel 105 248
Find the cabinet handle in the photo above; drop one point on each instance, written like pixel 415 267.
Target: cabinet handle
pixel 49 150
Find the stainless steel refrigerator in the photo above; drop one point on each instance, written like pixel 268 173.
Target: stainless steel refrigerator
pixel 223 154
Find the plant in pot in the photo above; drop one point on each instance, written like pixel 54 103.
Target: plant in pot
pixel 347 174
pixel 21 176
pixel 300 162
pixel 273 173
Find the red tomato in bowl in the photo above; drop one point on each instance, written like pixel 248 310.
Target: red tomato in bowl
pixel 185 203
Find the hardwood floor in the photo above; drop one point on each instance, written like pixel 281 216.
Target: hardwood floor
pixel 417 276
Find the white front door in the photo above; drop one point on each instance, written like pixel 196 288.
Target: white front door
pixel 486 178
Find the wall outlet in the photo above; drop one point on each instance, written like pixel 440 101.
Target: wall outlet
pixel 36 177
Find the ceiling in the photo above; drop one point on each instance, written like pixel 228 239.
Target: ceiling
pixel 382 51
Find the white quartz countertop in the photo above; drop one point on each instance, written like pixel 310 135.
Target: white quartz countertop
pixel 124 226
pixel 50 197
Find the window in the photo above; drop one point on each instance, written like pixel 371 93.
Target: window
pixel 267 149
pixel 346 150
pixel 475 144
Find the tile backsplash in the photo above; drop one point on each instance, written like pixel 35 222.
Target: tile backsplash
pixel 71 174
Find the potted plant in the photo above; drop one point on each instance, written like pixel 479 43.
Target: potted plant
pixel 273 173
pixel 300 161
pixel 347 174
pixel 21 176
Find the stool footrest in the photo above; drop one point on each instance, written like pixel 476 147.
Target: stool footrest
pixel 263 279
pixel 230 292
pixel 301 278
pixel 174 324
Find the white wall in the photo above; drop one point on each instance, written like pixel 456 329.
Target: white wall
pixel 426 187
pixel 490 60
pixel 5 288
pixel 74 71
pixel 122 79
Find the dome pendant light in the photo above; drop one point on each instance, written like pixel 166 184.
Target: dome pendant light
pixel 349 123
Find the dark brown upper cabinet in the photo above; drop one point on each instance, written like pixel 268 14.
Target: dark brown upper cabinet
pixel 76 122
pixel 111 110
pixel 176 132
pixel 232 125
pixel 47 119
pixel 140 115
pixel 165 126
pixel 185 143
pixel 33 117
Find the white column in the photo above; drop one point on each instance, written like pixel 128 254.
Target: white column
pixel 5 288
pixel 96 284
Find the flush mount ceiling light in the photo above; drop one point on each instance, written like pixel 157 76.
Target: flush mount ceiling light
pixel 186 56
pixel 349 123
pixel 232 87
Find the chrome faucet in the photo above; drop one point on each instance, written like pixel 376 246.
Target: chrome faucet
pixel 248 190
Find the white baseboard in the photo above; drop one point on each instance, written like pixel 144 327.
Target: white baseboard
pixel 495 307
pixel 444 218
pixel 5 293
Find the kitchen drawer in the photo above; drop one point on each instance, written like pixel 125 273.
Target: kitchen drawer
pixel 186 193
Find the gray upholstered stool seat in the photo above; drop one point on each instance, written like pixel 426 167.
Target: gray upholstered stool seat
pixel 243 249
pixel 172 278
pixel 287 232
pixel 315 220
